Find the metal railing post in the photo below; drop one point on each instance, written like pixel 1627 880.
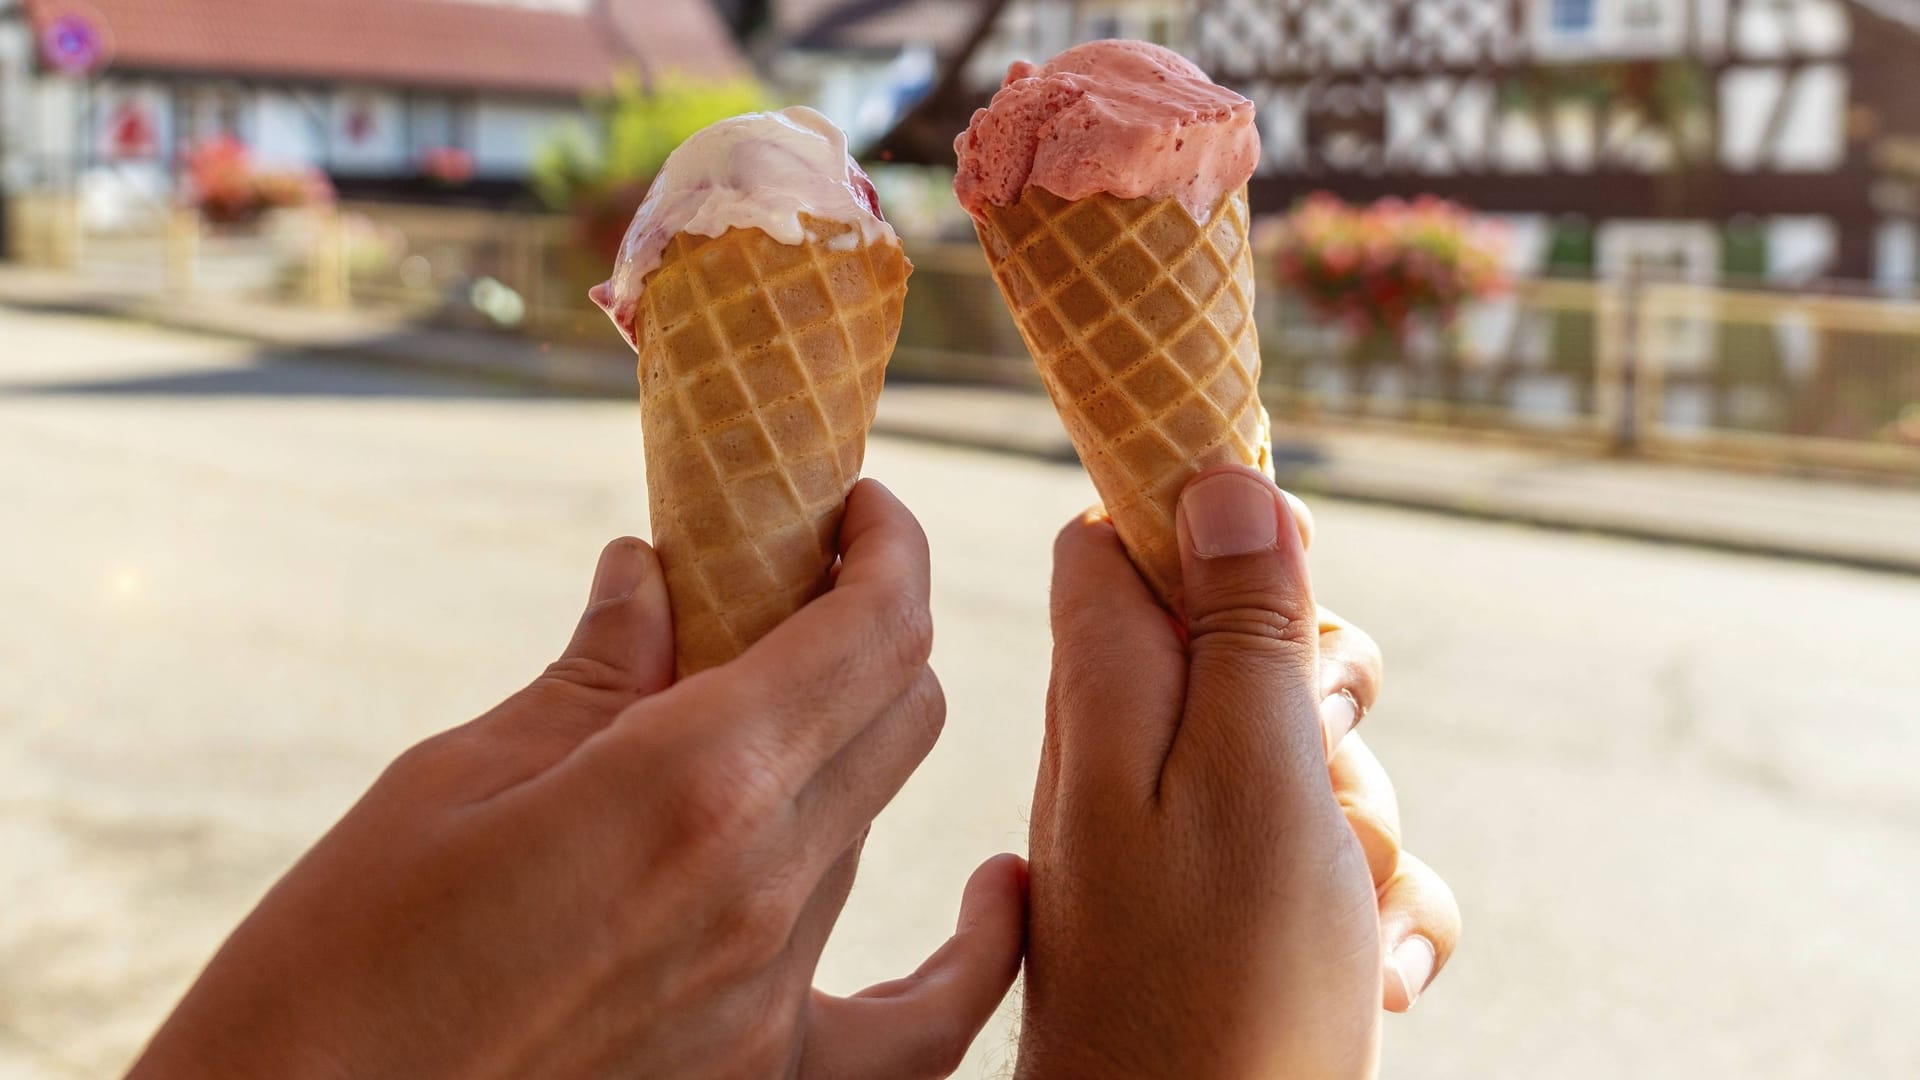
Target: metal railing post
pixel 327 262
pixel 1628 348
pixel 182 249
pixel 65 243
pixel 526 266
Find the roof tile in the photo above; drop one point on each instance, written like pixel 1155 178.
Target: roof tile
pixel 437 43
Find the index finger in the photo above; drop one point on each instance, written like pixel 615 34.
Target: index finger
pixel 819 678
pixel 796 697
pixel 1119 668
pixel 1302 517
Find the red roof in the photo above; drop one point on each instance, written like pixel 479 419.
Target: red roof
pixel 436 43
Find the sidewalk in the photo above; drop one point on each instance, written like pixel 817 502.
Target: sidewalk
pixel 1856 524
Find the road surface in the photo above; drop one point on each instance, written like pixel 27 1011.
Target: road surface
pixel 1678 792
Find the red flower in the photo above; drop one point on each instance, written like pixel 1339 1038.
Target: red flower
pixel 447 164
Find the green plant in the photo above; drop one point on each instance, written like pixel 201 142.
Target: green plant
pixel 633 127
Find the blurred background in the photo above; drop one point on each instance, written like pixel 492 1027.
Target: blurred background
pixel 1590 328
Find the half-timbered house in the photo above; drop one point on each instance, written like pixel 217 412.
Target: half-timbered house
pixel 1712 137
pixel 1772 136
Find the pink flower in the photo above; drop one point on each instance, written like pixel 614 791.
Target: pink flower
pixel 1380 267
pixel 447 164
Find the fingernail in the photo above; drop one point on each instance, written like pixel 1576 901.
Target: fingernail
pixel 1412 961
pixel 1339 714
pixel 619 572
pixel 1230 513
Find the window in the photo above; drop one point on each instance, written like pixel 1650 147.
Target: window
pixel 1644 16
pixel 1624 27
pixel 1571 17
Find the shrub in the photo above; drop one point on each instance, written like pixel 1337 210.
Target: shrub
pixel 1379 268
pixel 223 183
pixel 602 173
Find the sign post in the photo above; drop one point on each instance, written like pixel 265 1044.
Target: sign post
pixel 74 43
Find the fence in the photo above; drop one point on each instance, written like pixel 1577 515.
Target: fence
pixel 521 272
pixel 1635 366
pixel 1640 366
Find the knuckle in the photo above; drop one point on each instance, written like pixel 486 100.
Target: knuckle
pixel 1365 648
pixel 429 761
pixel 1358 682
pixel 767 1046
pixel 1364 684
pixel 927 705
pixel 586 673
pixel 1379 840
pixel 600 615
pixel 722 804
pixel 751 932
pixel 1368 662
pixel 1253 623
pixel 904 626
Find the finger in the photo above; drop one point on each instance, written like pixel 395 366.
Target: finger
pixel 1302 518
pixel 922 1025
pixel 1046 782
pixel 624 640
pixel 846 795
pixel 1366 796
pixel 1253 632
pixel 1351 668
pixel 1116 657
pixel 1419 928
pixel 805 690
pixel 621 651
pixel 822 910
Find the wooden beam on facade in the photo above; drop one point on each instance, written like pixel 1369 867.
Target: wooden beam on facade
pixel 1603 193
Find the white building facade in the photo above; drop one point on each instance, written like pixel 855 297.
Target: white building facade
pixel 365 91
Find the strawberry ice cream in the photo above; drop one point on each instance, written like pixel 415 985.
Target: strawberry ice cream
pixel 1127 118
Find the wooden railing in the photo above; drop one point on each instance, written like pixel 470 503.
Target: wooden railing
pixel 1638 366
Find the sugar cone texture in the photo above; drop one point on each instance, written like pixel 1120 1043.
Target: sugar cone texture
pixel 1141 322
pixel 760 366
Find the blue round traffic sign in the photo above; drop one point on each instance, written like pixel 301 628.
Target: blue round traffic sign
pixel 73 45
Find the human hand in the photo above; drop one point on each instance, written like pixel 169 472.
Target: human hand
pixel 1208 896
pixel 1419 918
pixel 609 875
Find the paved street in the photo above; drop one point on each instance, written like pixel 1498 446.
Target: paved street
pixel 1677 791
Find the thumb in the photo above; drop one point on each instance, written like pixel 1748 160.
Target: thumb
pixel 1252 628
pixel 624 641
pixel 922 1025
pixel 622 651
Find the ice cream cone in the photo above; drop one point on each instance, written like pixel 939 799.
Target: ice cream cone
pixel 1140 319
pixel 760 366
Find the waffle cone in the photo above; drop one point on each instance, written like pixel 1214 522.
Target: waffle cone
pixel 760 367
pixel 1140 320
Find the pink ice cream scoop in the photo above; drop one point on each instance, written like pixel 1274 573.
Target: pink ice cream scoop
pixel 1125 117
pixel 757 171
